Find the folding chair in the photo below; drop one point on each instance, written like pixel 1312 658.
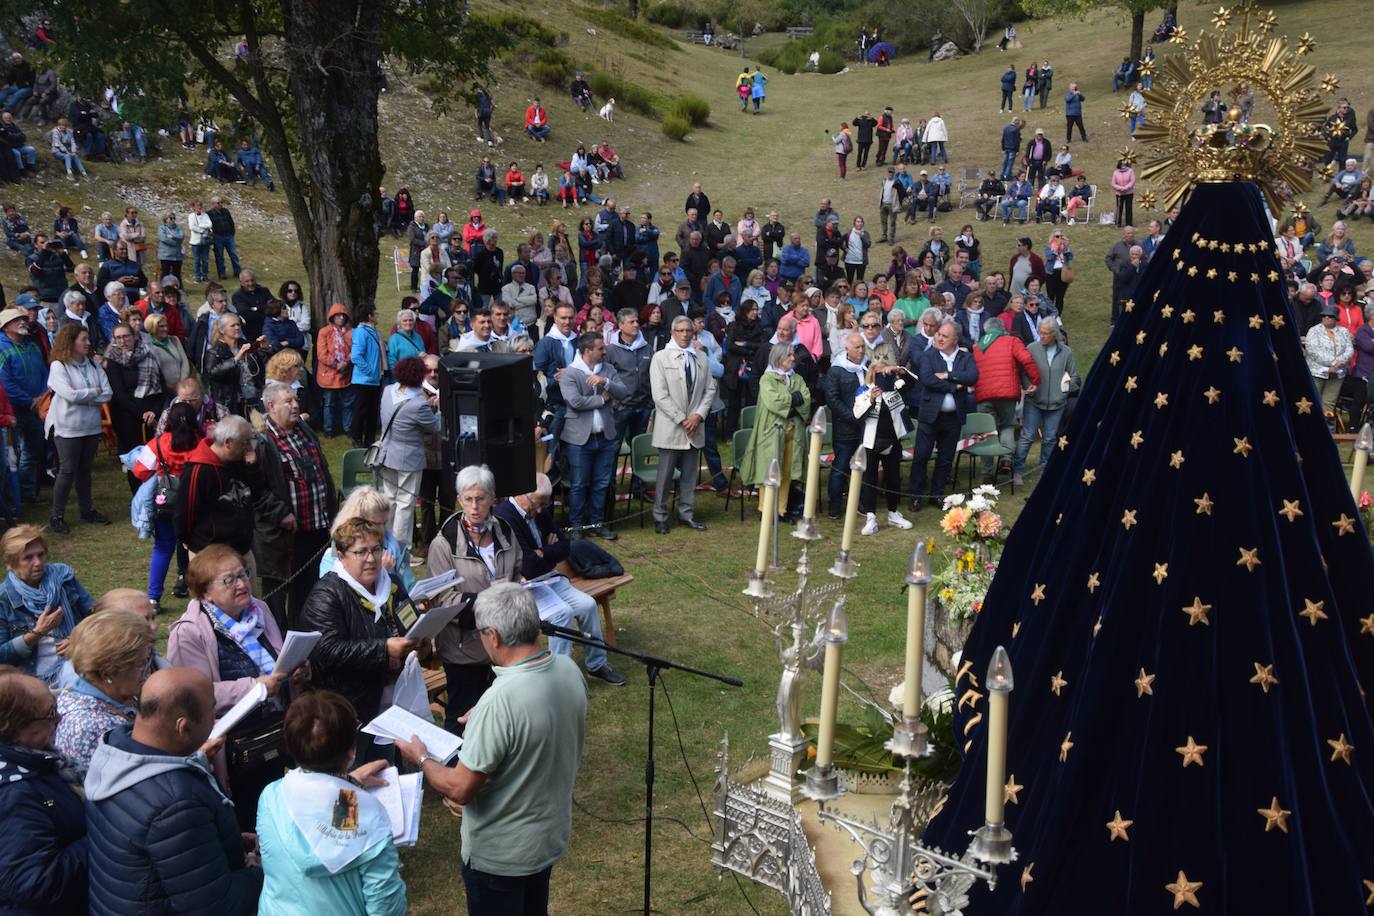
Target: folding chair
pixel 739 444
pixel 977 424
pixel 402 265
pixel 354 473
pixel 644 467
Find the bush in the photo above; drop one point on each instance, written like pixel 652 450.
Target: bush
pixel 694 108
pixel 631 95
pixel 603 84
pixel 830 62
pixel 675 127
pixel 521 27
pixel 668 15
pixel 612 21
pixel 549 74
pixel 790 58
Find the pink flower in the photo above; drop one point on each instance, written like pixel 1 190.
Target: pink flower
pixel 955 520
pixel 989 524
pixel 1366 500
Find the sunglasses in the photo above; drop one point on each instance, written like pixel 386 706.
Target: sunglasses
pixel 870 324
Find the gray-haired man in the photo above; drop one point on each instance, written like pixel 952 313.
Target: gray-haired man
pixel 683 389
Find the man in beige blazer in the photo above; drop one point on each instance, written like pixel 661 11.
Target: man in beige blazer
pixel 680 377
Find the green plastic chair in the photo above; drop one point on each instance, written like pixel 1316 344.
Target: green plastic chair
pixel 976 424
pixel 355 473
pixel 739 444
pixel 644 467
pixel 746 416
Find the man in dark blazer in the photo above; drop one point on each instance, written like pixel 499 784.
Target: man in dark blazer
pixel 948 375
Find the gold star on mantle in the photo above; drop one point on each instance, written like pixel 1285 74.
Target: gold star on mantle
pixel 1097 627
pixel 1304 405
pixel 1264 677
pixel 1089 476
pixel 1057 683
pixel 1197 613
pixel 1313 611
pixel 1188 316
pixel 1038 593
pixel 1249 558
pixel 1067 745
pixel 1026 877
pixel 1218 316
pixel 1255 322
pixel 1094 582
pixel 1117 828
pixel 1131 383
pixel 1277 321
pixel 1128 519
pixel 1116 357
pixel 1191 752
pixel 1211 273
pixel 1234 354
pixel 1161 573
pixel 1271 398
pixel 1140 337
pixel 1344 525
pixel 1192 271
pixel 1161 400
pixel 1136 438
pixel 1176 460
pixel 1184 891
pixel 1167 311
pixel 1212 395
pixel 1194 352
pixel 1129 305
pixel 1063 442
pixel 1164 348
pixel 1204 505
pixel 1011 791
pixel 1243 447
pixel 1369 886
pixel 1367 625
pixel 1341 749
pixel 1144 684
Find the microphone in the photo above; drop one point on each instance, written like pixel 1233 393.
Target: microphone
pixel 553 629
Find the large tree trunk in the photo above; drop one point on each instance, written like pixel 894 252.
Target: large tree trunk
pixel 335 80
pixel 1137 35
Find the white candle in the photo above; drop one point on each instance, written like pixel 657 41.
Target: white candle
pixel 836 635
pixel 857 465
pixel 999 684
pixel 813 464
pixel 1363 443
pixel 768 503
pixel 918 577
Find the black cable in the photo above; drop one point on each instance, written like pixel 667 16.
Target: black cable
pixel 682 750
pixel 631 821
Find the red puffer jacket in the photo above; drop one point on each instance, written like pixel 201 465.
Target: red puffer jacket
pixel 1000 368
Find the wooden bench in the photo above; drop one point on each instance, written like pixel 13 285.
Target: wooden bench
pixel 696 38
pixel 798 31
pixel 600 590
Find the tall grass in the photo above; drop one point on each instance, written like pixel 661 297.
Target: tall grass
pixel 612 21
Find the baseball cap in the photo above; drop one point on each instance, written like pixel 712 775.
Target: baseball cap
pixel 682 284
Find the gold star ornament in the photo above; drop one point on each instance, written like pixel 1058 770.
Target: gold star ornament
pixel 1117 828
pixel 1304 405
pixel 1057 683
pixel 1026 877
pixel 1176 460
pixel 1264 677
pixel 1067 745
pixel 1271 398
pixel 1184 891
pixel 1341 749
pixel 1094 582
pixel 1011 791
pixel 1191 752
pixel 1197 613
pixel 1313 611
pixel 1128 519
pixel 1161 400
pixel 1144 684
pixel 1274 816
pixel 1089 476
pixel 1249 558
pixel 1161 573
pixel 1212 395
pixel 1204 504
pixel 1367 625
pixel 1243 447
pixel 1038 593
pixel 1344 525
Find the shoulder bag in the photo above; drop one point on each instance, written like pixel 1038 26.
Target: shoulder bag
pixel 373 458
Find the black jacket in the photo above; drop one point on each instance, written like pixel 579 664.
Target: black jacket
pixel 959 383
pixel 49 271
pixel 702 203
pixel 252 309
pixel 805 366
pixel 841 387
pixel 274 548
pixel 221 221
pixel 532 565
pixel 43 852
pixel 350 657
pixel 773 236
pixel 863 128
pixel 214 502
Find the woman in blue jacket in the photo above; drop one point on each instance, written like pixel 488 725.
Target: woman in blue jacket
pixel 40 604
pixel 369 362
pixel 43 850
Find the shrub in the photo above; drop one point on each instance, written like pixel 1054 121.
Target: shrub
pixel 602 83
pixel 694 108
pixel 790 58
pixel 830 62
pixel 675 127
pixel 612 21
pixel 549 74
pixel 668 15
pixel 521 27
pixel 639 99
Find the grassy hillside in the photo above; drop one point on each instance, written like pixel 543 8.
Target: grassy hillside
pixel 685 603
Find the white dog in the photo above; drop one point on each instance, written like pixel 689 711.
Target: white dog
pixel 608 110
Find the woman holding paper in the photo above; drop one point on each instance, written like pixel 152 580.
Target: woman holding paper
pixel 355 607
pixel 326 844
pixel 232 638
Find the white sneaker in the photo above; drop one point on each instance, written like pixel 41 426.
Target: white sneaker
pixel 872 526
pixel 897 520
pixel 1070 220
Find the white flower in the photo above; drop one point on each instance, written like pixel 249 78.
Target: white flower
pixel 896 696
pixel 978 503
pixel 987 490
pixel 952 500
pixel 941 701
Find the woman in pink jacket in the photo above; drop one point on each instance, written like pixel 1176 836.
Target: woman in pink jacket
pixel 1123 183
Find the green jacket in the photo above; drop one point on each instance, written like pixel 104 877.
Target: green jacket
pixel 775 406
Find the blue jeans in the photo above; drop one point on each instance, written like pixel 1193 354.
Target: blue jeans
pixel 1136 121
pixel 71 162
pixel 164 549
pixel 1033 420
pixel 1027 97
pixel 337 401
pixel 505 895
pixel 579 611
pixel 839 475
pixel 14 97
pixel 713 463
pixel 222 244
pixel 538 133
pixel 32 448
pixel 1008 163
pixel 937 147
pixel 590 469
pixel 201 254
pixel 94 142
pixel 633 421
pixel 1022 207
pixel 135 133
pixel 25 155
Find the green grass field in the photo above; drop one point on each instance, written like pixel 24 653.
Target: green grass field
pixel 686 603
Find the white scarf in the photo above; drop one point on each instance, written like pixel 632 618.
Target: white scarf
pixel 378 597
pixel 842 361
pixel 338 820
pixel 672 345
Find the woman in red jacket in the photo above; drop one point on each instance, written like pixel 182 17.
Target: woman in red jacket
pixel 167 453
pixel 1002 359
pixel 473 229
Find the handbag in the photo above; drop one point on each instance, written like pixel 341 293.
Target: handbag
pixel 256 756
pixel 1066 274
pixel 164 491
pixel 42 403
pixel 373 458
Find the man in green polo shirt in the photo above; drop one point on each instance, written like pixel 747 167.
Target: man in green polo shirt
pixel 521 749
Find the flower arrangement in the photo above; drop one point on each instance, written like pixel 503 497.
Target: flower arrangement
pixel 976 531
pixel 1366 504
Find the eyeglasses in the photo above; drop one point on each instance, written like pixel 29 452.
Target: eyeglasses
pixel 870 324
pixel 364 552
pixel 233 578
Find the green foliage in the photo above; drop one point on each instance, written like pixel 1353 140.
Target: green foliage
pixel 694 108
pixel 830 62
pixel 520 28
pixel 790 58
pixel 861 747
pixel 612 21
pixel 552 67
pixel 676 126
pixel 668 15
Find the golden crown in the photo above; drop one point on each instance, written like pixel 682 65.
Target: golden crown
pixel 1246 52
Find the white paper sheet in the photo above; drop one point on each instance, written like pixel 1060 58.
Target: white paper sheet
pixel 295 649
pixel 250 701
pixel 395 722
pixel 401 797
pixel 428 624
pixel 412 798
pixel 545 598
pixel 427 588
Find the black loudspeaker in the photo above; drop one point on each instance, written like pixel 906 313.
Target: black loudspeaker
pixel 488 406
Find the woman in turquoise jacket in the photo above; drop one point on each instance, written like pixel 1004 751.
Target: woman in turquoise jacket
pixel 405 340
pixel 369 362
pixel 326 843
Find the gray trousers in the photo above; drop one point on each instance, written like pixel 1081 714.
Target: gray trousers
pixel 1003 411
pixel 684 460
pixel 888 216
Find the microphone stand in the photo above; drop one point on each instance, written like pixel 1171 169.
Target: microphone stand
pixel 653 666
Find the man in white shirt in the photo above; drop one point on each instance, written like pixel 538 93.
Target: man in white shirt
pixel 480 338
pixel 589 385
pixel 1050 200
